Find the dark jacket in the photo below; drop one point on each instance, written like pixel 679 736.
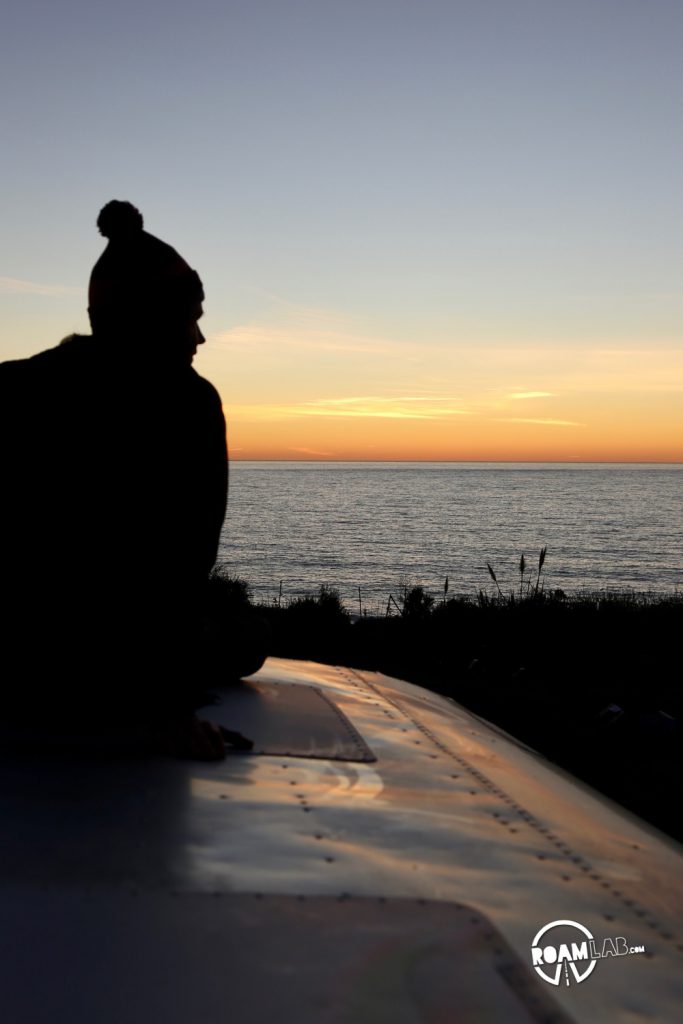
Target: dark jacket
pixel 114 477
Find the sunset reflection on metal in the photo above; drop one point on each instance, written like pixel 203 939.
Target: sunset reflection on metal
pixel 409 888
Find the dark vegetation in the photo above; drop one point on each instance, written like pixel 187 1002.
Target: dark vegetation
pixel 592 681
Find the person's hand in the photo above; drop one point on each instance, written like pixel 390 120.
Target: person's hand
pixel 190 738
pixel 206 741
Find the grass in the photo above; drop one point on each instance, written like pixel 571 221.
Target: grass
pixel 529 589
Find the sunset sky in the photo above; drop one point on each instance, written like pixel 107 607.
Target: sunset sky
pixel 427 230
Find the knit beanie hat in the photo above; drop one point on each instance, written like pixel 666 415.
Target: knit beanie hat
pixel 137 276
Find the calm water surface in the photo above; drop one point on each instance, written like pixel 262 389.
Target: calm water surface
pixel 379 526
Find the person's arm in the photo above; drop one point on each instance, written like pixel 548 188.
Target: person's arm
pixel 211 468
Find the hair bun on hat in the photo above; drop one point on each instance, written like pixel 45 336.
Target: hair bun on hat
pixel 119 218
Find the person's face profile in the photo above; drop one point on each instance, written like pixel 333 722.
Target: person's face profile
pixel 195 334
pixel 183 337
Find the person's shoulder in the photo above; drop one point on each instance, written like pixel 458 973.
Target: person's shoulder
pixel 20 381
pixel 12 369
pixel 205 388
pixel 73 346
pixel 13 372
pixel 12 387
pixel 44 366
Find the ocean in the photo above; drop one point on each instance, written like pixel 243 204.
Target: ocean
pixel 383 526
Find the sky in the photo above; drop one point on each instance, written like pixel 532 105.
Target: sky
pixel 426 230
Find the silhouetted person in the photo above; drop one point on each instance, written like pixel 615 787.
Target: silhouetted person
pixel 115 481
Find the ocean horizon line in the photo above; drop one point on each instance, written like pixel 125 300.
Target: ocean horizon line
pixel 468 462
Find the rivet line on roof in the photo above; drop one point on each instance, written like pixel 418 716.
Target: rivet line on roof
pixel 522 812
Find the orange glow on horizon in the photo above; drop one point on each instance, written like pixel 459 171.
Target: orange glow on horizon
pixel 303 394
pixel 467 439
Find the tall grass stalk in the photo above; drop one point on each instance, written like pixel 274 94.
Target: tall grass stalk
pixel 528 587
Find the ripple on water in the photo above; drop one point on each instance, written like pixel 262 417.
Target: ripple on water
pixel 383 525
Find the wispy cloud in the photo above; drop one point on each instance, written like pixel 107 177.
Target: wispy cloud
pixel 409 407
pixel 15 286
pixel 310 451
pixel 542 422
pixel 277 363
pixel 283 327
pixel 584 370
pixel 530 394
pixel 406 407
pixel 262 338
